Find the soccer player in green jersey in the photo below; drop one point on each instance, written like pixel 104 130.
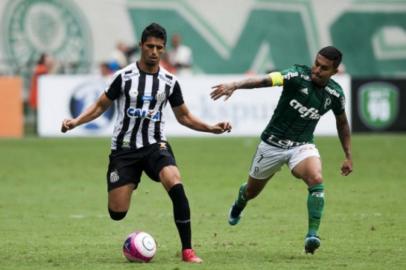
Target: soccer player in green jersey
pixel 307 94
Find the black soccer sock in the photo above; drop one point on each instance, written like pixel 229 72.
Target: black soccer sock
pixel 181 213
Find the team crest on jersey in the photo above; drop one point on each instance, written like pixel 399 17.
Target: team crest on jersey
pixel 114 176
pixel 160 97
pixel 327 103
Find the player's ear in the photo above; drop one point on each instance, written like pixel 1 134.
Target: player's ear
pixel 334 70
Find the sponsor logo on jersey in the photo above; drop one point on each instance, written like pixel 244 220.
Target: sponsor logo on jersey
pixel 129 76
pixel 306 113
pixel 378 104
pixel 162 146
pixel 289 75
pixel 332 91
pixel 304 91
pixel 141 113
pixel 147 98
pixel 165 79
pixel 133 93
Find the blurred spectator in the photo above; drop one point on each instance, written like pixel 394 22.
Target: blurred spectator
pixel 44 65
pixel 180 56
pixel 166 64
pixel 122 54
pixel 105 69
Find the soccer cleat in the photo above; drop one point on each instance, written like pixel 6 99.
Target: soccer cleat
pixel 312 242
pixel 189 255
pixel 234 215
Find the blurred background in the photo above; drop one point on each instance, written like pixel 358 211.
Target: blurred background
pixel 56 57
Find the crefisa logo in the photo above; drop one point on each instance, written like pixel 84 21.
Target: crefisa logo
pixel 378 104
pixel 85 95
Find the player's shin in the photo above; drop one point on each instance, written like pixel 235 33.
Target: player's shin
pixel 315 205
pixel 181 212
pixel 242 200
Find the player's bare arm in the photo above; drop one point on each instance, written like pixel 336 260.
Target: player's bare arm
pixel 344 133
pixel 227 89
pixel 186 118
pixel 91 113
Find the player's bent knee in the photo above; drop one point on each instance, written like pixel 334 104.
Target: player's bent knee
pixel 313 181
pixel 117 215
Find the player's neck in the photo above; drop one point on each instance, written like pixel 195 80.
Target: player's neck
pixel 321 85
pixel 152 69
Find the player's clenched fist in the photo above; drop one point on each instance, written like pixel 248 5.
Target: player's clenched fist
pixel 68 124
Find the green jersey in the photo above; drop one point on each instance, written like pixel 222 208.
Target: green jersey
pixel 301 105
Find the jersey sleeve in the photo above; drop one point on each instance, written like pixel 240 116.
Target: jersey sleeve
pixel 291 77
pixel 113 90
pixel 276 78
pixel 176 98
pixel 339 104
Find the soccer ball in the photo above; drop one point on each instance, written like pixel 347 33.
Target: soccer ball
pixel 139 247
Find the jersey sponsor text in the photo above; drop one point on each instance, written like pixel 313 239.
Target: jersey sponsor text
pixel 310 113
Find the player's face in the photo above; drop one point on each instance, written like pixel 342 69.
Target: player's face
pixel 322 70
pixel 152 50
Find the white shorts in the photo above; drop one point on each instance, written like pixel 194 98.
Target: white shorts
pixel 269 159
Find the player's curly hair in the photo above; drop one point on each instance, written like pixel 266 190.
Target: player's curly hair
pixel 153 30
pixel 333 54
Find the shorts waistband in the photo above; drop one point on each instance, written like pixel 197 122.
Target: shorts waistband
pixel 282 143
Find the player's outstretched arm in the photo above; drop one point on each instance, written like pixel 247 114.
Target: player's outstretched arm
pixel 91 113
pixel 344 134
pixel 227 89
pixel 186 118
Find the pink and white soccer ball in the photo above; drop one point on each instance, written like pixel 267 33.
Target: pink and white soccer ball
pixel 139 247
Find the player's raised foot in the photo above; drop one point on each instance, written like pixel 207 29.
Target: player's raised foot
pixel 312 242
pixel 234 215
pixel 189 255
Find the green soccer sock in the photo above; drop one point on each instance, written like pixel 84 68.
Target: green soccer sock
pixel 241 201
pixel 315 205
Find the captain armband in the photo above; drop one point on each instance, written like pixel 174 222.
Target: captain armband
pixel 277 78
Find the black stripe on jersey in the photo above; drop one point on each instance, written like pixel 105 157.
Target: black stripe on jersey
pixel 157 132
pixel 114 90
pixel 176 99
pixel 139 103
pixel 145 124
pixel 126 121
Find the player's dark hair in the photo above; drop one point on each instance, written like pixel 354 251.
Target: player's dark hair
pixel 153 30
pixel 333 54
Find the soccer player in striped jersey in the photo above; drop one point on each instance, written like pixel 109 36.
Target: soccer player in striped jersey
pixel 307 94
pixel 141 91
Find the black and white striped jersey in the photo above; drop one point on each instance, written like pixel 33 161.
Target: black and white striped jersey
pixel 140 98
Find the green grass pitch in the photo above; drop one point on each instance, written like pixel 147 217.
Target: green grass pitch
pixel 53 208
